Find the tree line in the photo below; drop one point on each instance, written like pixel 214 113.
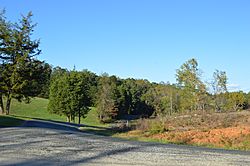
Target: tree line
pixel 115 98
pixel 73 93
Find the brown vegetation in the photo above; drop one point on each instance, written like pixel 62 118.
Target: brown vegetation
pixel 226 130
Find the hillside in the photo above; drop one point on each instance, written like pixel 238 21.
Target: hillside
pixel 37 109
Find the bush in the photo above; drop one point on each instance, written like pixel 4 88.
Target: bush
pixel 156 127
pixel 153 126
pixel 121 126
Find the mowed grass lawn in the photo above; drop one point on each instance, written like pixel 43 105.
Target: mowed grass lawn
pixel 37 109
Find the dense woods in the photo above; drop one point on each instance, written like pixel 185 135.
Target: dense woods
pixel 117 98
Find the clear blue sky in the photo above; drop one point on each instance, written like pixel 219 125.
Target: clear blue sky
pixel 143 38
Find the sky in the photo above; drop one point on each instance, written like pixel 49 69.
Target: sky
pixel 144 39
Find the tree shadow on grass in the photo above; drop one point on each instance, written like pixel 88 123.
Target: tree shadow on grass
pixel 9 121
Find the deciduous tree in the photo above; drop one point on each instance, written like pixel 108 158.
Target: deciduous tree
pixel 219 86
pixel 193 89
pixel 235 101
pixel 107 100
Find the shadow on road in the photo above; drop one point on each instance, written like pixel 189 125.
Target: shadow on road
pixel 60 122
pixel 64 126
pixel 107 153
pixel 55 161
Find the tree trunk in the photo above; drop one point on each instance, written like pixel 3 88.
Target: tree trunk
pixel 68 119
pixel 79 117
pixel 1 104
pixel 72 117
pixel 8 105
pixel 171 104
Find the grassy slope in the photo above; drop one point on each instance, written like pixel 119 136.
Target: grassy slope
pixel 38 109
pixel 92 118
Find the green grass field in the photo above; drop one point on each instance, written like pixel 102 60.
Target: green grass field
pixel 37 108
pixel 92 119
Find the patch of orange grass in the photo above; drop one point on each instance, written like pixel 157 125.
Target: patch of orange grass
pixel 217 137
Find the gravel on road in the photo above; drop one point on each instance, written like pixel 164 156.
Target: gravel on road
pixel 43 145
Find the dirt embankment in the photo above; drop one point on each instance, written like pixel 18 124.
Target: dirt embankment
pixel 225 130
pixel 231 137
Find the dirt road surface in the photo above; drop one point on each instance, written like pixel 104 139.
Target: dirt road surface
pixel 47 143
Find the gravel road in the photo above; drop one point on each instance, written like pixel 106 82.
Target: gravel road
pixel 45 143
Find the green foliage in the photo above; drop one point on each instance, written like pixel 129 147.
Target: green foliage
pixel 188 75
pixel 45 86
pixel 135 102
pixel 22 75
pixel 220 82
pixel 107 101
pixel 156 127
pixel 219 86
pixel 163 98
pixel 193 94
pixel 118 98
pixel 235 101
pixel 69 94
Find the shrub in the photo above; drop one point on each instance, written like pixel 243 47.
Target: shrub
pixel 156 127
